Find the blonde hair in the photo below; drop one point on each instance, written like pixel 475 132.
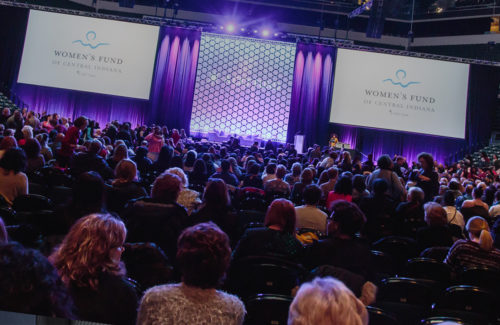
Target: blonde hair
pixel 125 171
pixel 120 152
pixel 179 172
pixel 27 132
pixel 326 301
pixel 85 251
pixel 478 227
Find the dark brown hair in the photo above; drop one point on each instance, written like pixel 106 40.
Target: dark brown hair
pixel 281 213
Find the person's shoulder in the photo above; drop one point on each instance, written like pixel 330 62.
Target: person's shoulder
pixel 231 300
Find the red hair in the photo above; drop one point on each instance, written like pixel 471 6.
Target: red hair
pixel 281 213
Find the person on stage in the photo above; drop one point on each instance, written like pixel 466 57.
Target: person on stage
pixel 333 140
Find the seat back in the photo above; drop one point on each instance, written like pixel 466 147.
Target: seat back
pixel 429 269
pixel 482 277
pixel 378 316
pixel 442 319
pixel 382 264
pixel 437 253
pixel 266 309
pixel 60 194
pixel 406 291
pixel 31 203
pixel 401 249
pixel 253 203
pixel 261 274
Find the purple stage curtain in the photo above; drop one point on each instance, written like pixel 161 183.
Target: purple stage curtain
pixel 174 79
pixel 311 93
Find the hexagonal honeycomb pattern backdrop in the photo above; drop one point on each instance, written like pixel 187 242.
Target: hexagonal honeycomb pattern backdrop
pixel 243 86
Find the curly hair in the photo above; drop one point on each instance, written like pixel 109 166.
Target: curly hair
pixel 30 284
pixel 85 251
pixel 203 255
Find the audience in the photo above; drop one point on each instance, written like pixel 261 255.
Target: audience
pixel 308 215
pixel 203 257
pixel 437 232
pixel 13 182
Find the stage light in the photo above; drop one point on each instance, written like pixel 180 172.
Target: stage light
pixel 242 29
pixel 221 27
pixel 266 33
pixel 276 34
pixel 230 28
pixel 255 31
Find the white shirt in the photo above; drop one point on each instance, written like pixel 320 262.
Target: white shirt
pixel 308 216
pixel 454 216
pixel 12 185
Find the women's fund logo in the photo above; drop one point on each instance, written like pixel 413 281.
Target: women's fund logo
pixel 400 80
pixel 90 40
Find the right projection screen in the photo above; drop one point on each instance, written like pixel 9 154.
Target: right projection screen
pixel 400 93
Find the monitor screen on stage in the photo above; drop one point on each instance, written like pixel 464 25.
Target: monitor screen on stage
pixel 88 54
pixel 400 93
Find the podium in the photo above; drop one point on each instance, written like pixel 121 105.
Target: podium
pixel 342 145
pixel 298 142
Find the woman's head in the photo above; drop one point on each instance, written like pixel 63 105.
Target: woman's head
pixel 307 176
pixel 32 148
pixel 326 301
pixel 358 183
pixel 384 162
pixel 141 152
pixel 435 215
pixel 449 198
pixel 120 152
pixel 166 188
pixel 416 195
pixel 343 186
pixel 203 255
pixel 81 122
pixel 426 161
pixel 126 170
pixel 27 132
pixel 8 142
pixel 93 245
pixel 215 193
pixel 14 160
pixel 296 169
pixel 190 158
pixel 479 231
pixel 346 219
pixel 199 167
pixel 179 172
pixel 281 215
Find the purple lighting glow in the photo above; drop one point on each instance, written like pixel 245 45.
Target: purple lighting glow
pixel 266 33
pixel 230 28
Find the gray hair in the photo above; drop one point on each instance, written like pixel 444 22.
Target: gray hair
pixel 326 301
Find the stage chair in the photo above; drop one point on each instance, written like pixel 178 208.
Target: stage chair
pixel 428 269
pixel 409 299
pixel 401 249
pixel 472 304
pixel 263 274
pixel 378 316
pixel 267 309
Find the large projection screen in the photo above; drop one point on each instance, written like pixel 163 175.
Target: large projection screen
pixel 400 93
pixel 88 54
pixel 243 87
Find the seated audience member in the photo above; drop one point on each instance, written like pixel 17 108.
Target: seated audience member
pixel 4 237
pixel 477 251
pixel 187 198
pixel 159 219
pixel 466 196
pixel 253 179
pixel 155 142
pixel 199 174
pixel 277 238
pixel 144 164
pixel 495 232
pixel 308 215
pixel 225 174
pixel 326 301
pixel 453 215
pixel 203 258
pixel 189 160
pixel 124 187
pixel 13 182
pixel 164 159
pixel 379 210
pixel 216 207
pixel 359 190
pixel 437 232
pixel 475 207
pixel 412 209
pixel 89 263
pixel 278 185
pixel 7 143
pixel 91 161
pixel 34 160
pixel 384 171
pixel 341 191
pixel 45 149
pixel 327 187
pixel 494 211
pixel 30 284
pixel 270 173
pixel 120 153
pixel 294 176
pixel 306 178
pixel 342 248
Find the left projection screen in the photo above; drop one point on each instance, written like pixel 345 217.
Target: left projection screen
pixel 89 54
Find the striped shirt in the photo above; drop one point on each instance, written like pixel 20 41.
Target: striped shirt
pixel 467 254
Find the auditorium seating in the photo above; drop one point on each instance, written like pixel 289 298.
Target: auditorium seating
pixel 267 309
pixel 378 316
